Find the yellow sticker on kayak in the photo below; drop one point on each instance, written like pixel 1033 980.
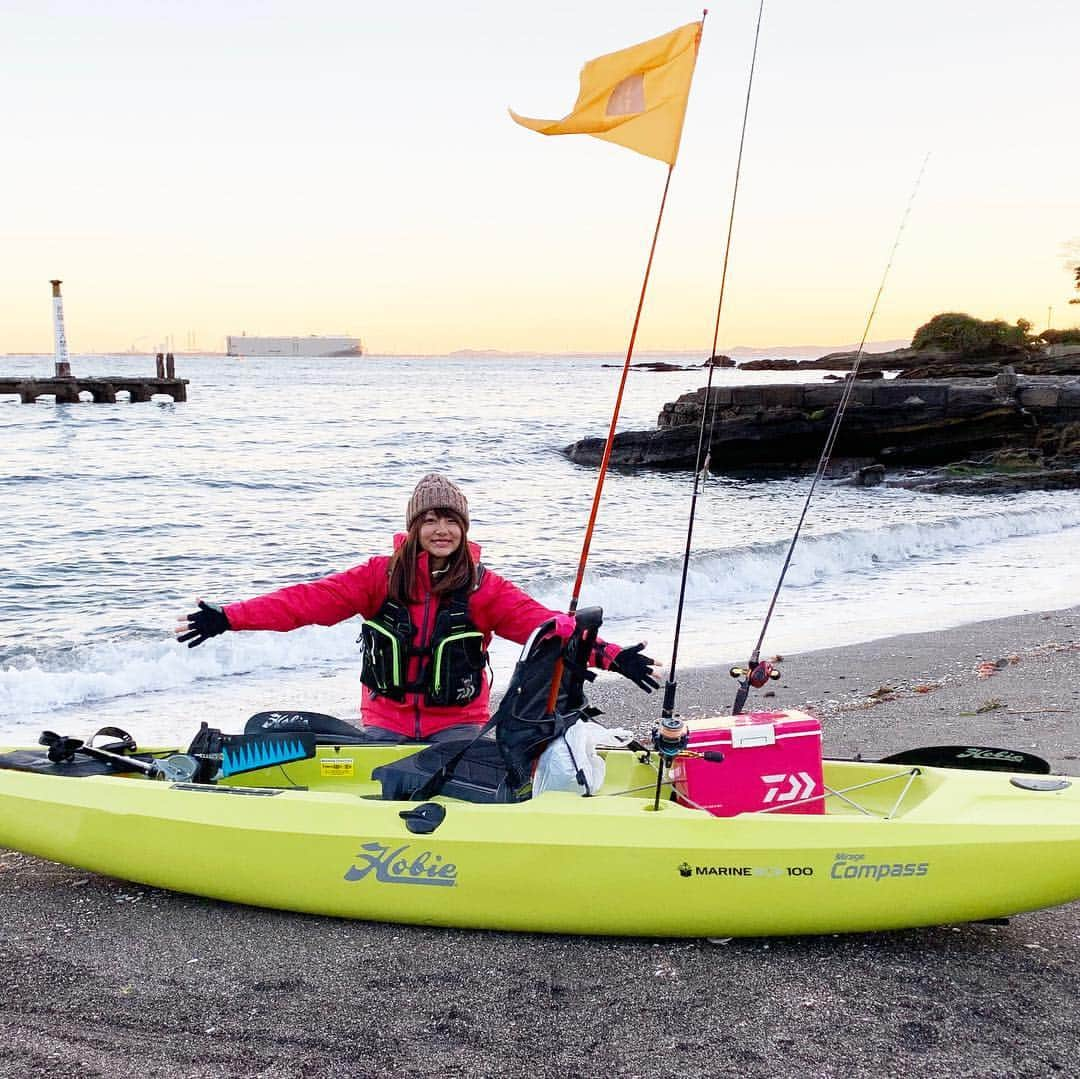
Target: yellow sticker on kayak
pixel 341 767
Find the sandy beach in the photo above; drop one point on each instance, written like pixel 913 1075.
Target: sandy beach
pixel 105 978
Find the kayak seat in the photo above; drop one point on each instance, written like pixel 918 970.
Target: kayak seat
pixel 479 775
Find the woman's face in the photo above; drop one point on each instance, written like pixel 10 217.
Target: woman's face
pixel 440 536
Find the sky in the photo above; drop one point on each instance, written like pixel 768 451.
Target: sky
pixel 198 168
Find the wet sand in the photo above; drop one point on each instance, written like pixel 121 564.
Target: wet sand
pixel 104 978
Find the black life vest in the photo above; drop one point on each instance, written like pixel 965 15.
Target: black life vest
pixel 452 665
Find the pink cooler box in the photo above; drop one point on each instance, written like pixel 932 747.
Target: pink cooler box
pixel 772 761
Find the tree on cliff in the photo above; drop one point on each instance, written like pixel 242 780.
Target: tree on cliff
pixel 955 332
pixel 1061 337
pixel 1071 251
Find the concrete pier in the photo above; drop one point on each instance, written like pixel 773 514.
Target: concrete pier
pixel 102 390
pixel 68 390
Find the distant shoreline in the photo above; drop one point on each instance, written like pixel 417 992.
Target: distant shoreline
pixel 744 351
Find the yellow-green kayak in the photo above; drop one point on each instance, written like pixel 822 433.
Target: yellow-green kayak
pixel 896 846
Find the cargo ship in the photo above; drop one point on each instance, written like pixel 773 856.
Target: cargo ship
pixel 293 346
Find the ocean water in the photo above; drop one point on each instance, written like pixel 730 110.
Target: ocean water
pixel 117 517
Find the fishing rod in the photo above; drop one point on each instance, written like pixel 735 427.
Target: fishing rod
pixel 755 674
pixel 670 736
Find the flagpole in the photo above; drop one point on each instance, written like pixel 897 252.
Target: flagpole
pixel 587 543
pixel 618 405
pixel 650 148
pixel 556 679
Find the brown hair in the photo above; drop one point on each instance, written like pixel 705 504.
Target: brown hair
pixel 405 564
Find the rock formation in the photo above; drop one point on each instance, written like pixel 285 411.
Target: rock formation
pixel 927 363
pixel 887 422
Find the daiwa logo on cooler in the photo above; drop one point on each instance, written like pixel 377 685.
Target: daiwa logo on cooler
pixel 785 787
pixel 854 866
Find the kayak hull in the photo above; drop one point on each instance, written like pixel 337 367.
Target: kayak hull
pixel 907 847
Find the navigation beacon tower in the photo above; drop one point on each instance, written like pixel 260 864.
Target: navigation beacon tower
pixel 63 367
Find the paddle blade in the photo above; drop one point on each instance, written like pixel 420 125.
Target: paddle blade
pixel 248 752
pixel 979 758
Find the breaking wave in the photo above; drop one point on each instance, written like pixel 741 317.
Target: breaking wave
pixel 905 562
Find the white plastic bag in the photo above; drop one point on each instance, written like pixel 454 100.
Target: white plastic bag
pixel 571 763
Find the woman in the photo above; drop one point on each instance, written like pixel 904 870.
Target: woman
pixel 430 610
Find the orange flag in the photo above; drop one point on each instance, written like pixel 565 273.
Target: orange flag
pixel 635 97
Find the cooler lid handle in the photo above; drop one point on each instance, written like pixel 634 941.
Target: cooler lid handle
pixel 750 735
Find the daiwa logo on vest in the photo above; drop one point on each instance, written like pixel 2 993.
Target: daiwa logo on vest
pixel 399 865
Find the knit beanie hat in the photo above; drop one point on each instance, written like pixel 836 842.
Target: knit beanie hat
pixel 435 492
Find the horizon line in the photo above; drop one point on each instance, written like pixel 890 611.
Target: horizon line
pixel 469 353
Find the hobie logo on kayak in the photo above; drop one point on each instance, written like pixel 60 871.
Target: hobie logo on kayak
pixel 288 720
pixel 400 865
pixel 974 753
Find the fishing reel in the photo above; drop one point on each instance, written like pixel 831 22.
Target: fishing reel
pixel 670 737
pixel 758 675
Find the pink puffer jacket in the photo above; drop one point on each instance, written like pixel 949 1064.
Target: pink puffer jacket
pixel 496 607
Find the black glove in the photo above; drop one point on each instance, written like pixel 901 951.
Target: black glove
pixel 633 664
pixel 208 621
